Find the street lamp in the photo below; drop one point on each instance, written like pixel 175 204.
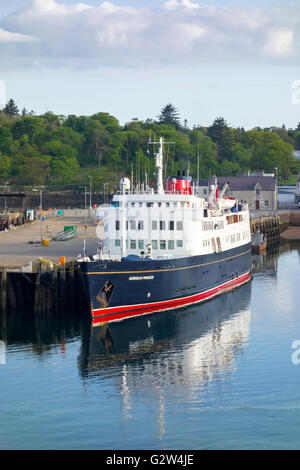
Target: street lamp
pixel 105 191
pixel 41 206
pixel 5 205
pixel 91 179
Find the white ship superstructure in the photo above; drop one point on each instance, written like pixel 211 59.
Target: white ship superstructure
pixel 171 225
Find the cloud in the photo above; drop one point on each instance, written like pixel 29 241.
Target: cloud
pixel 7 37
pixel 279 43
pixel 180 32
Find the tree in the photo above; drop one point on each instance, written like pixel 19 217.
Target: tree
pixel 270 151
pixel 34 171
pixel 223 136
pixel 97 140
pixel 227 168
pixel 6 140
pixel 64 167
pixel 242 156
pixel 207 155
pixel 169 115
pixel 11 109
pixel 5 166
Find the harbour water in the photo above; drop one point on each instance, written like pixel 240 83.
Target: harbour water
pixel 221 375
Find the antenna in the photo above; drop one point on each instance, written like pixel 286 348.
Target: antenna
pixel 198 159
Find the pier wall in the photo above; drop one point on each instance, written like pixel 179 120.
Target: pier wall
pixel 42 287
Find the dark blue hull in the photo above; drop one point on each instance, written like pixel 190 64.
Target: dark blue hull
pixel 119 290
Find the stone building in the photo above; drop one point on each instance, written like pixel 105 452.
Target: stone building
pixel 260 192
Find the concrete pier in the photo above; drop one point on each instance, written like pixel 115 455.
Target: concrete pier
pixel 40 279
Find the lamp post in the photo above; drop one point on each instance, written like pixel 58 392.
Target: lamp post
pixel 90 207
pixel 41 217
pixel 5 203
pixel 105 191
pixel 276 188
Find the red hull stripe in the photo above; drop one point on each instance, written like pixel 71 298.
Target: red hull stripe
pixel 104 315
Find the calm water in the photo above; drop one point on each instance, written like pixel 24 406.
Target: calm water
pixel 216 376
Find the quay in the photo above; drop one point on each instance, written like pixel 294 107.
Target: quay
pixel 51 282
pixel 273 226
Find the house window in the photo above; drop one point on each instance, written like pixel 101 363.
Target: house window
pixel 132 244
pixel 162 225
pixel 179 243
pixel 140 225
pixel 162 244
pixel 266 203
pixel 171 225
pixel 171 244
pixel 117 242
pixel 117 225
pixel 132 224
pixel 154 244
pixel 179 225
pixel 154 224
pixel 141 244
pixel 257 191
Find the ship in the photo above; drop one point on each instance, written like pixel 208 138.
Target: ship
pixel 165 249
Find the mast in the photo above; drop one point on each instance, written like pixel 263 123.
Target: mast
pixel 124 185
pixel 159 164
pixel 123 223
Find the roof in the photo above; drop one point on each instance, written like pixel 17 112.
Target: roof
pixel 201 182
pixel 246 183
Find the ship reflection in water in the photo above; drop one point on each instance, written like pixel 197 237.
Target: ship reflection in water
pixel 166 353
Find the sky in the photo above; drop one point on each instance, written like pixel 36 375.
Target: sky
pixel 238 59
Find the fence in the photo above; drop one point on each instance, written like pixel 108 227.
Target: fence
pixel 287 205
